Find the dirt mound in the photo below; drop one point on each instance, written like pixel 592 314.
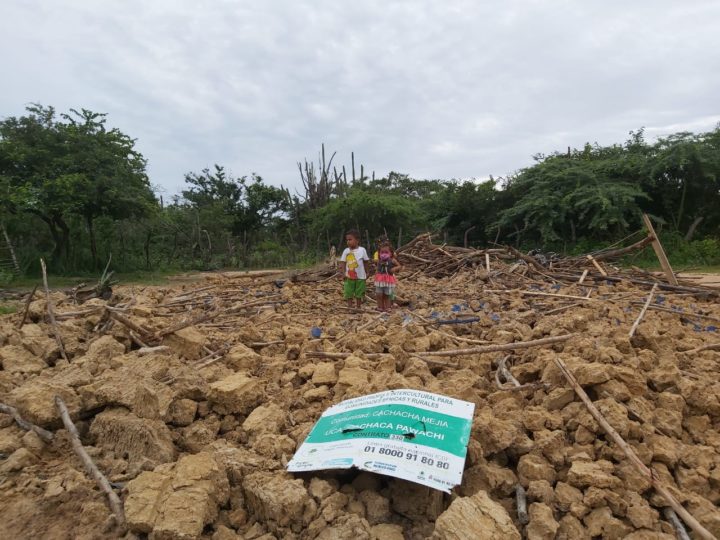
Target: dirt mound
pixel 191 400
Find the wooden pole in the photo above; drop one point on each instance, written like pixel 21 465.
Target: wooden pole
pixel 521 499
pixel 102 482
pixel 27 307
pixel 51 312
pixel 649 474
pixel 660 252
pixel 642 311
pixel 596 265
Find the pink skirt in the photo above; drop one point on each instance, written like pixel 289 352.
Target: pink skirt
pixel 385 280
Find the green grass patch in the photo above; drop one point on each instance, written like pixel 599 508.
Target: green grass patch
pixel 7 309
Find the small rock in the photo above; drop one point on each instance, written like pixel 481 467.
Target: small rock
pixel 237 393
pixel 535 467
pixel 377 507
pixel 18 460
pixel 276 498
pixel 187 343
pixel 593 473
pixel 387 531
pixel 317 394
pixel 353 376
pixel 265 418
pixel 122 432
pixel 176 502
pixel 16 359
pixel 475 517
pixel 324 373
pixel 542 525
pixel 321 489
pixel 182 412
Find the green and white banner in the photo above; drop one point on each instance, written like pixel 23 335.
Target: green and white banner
pixel 409 434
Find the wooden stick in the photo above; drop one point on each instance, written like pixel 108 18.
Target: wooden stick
pixel 102 482
pixel 710 347
pixel 642 312
pixel 562 308
pixel 51 313
pixel 504 373
pixel 649 474
pixel 140 342
pixel 681 313
pixel 660 252
pixel 487 262
pixel 497 348
pixel 27 307
pixel 260 344
pixel 596 265
pixel 671 516
pixel 127 322
pixel 521 499
pixel 584 275
pixel 151 350
pixel 44 434
pixel 553 295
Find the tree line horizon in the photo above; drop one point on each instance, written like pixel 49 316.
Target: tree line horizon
pixel 75 190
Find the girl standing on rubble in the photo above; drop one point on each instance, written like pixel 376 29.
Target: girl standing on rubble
pixel 387 266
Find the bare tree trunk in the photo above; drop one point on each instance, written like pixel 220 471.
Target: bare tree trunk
pixel 465 236
pixel 691 230
pixel 93 245
pixel 65 235
pixel 148 238
pixel 681 210
pixel 10 248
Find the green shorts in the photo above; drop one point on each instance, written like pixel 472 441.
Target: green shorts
pixel 353 288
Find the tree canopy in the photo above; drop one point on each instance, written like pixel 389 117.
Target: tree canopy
pixel 75 190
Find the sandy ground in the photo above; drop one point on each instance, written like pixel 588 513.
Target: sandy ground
pixel 195 435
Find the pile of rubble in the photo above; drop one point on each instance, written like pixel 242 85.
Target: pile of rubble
pixel 191 400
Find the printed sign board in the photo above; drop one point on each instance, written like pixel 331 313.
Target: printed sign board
pixel 409 434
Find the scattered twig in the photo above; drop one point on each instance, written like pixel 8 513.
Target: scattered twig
pixel 648 473
pixel 44 434
pixel 497 348
pixel 642 312
pixel 27 307
pixel 51 313
pixel 709 347
pixel 521 499
pixel 151 350
pixel 672 517
pixel 102 482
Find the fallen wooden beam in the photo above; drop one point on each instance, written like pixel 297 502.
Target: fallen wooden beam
pixel 497 348
pixel 648 473
pixel 44 434
pixel 596 265
pixel 660 252
pixel 113 500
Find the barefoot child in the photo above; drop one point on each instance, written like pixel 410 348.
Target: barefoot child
pixel 352 269
pixel 385 280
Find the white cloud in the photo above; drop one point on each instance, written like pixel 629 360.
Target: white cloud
pixel 436 89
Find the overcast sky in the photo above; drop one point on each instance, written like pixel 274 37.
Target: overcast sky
pixel 446 89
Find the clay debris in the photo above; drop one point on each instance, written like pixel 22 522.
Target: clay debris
pixel 191 400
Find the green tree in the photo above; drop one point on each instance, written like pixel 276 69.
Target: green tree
pixel 55 168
